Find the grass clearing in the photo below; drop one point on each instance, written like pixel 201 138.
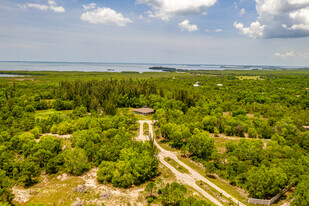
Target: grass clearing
pixel 176 165
pixel 225 201
pixel 249 78
pixel 166 146
pixel 166 174
pixel 193 193
pixel 127 110
pixel 56 192
pixel 198 167
pixel 44 114
pixel 221 142
pixel 146 128
pixel 236 192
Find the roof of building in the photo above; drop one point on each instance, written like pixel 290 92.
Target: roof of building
pixel 306 127
pixel 144 110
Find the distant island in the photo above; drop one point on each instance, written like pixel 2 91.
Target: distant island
pixel 165 69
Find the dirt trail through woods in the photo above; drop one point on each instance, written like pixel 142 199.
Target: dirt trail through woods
pixel 189 179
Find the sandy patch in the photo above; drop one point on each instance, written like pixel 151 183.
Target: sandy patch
pixel 21 195
pixel 67 136
pixel 63 177
pixel 111 195
pixel 24 79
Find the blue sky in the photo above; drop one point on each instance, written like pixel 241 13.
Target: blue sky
pixel 257 32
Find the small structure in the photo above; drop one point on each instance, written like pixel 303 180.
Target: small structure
pixel 196 84
pixel 144 111
pixel 220 85
pixel 306 128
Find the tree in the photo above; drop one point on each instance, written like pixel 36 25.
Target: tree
pixel 302 192
pixel 6 195
pixel 228 130
pixel 54 164
pixel 29 108
pixel 173 194
pixel 201 145
pixel 150 187
pixel 80 111
pixel 36 131
pixel 30 171
pixel 304 140
pixel 134 166
pixel 252 132
pixel 216 132
pixel 239 111
pixel 265 182
pixel 76 161
pixel 209 168
pixel 43 156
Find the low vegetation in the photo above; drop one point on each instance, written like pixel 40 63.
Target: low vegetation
pixel 85 113
pixel 176 165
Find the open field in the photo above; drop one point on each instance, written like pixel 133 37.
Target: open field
pixel 44 114
pixel 249 78
pixel 65 189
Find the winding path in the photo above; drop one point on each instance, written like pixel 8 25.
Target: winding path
pixel 189 179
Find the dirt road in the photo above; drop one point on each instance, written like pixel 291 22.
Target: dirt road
pixel 189 179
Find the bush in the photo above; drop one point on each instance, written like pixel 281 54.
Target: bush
pixel 239 111
pixel 36 131
pixel 149 200
pixel 216 132
pixel 76 161
pixel 252 132
pixel 54 129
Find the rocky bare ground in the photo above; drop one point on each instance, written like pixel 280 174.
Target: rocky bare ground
pixel 88 192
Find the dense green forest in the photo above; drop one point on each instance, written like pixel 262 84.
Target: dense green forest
pixel 273 106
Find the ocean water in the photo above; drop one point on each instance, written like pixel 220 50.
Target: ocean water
pixel 12 75
pixel 112 67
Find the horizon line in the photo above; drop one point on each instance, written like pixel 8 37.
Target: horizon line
pixel 188 64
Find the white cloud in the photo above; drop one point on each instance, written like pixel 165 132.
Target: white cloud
pixel 185 25
pixel 105 16
pixel 58 9
pixel 286 54
pixel 302 17
pixel 305 55
pixel 37 6
pixel 279 19
pixel 52 5
pixel 166 9
pixel 216 30
pixel 290 54
pixel 256 30
pixel 242 12
pixel 89 6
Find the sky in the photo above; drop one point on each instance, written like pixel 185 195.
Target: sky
pixel 239 32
